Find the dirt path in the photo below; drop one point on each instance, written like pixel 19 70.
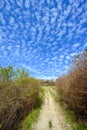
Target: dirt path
pixel 51 116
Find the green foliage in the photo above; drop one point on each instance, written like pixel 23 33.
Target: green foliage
pixel 18 96
pixel 0 126
pixel 6 74
pixel 9 73
pixel 21 74
pixel 80 127
pixel 29 120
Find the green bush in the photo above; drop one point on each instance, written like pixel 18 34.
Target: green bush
pixel 18 96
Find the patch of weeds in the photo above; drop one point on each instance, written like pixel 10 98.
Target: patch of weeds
pixel 30 119
pixel 80 127
pixel 50 124
pixel 0 126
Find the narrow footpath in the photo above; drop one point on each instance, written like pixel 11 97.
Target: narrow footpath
pixel 51 116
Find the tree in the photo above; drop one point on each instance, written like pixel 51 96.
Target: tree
pixel 6 74
pixel 21 74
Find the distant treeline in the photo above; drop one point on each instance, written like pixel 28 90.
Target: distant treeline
pixel 18 96
pixel 72 87
pixel 48 82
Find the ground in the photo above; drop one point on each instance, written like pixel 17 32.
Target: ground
pixel 51 116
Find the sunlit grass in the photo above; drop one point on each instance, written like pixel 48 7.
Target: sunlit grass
pixel 32 117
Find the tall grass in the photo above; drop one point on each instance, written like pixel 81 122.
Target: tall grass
pixel 18 96
pixel 73 87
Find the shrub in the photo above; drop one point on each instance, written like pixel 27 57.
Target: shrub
pixel 17 98
pixel 73 86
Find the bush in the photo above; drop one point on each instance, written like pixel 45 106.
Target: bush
pixel 73 86
pixel 17 98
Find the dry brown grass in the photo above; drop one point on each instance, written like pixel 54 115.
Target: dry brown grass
pixel 73 87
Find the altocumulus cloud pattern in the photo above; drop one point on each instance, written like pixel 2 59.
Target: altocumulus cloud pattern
pixel 42 36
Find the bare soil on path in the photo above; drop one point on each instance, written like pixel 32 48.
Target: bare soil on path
pixel 51 116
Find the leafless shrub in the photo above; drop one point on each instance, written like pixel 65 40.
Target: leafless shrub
pixel 74 86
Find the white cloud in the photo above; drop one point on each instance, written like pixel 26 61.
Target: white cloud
pixel 76 45
pixel 68 57
pixel 27 3
pixel 85 46
pixel 12 21
pixel 53 20
pixel 2 20
pixel 41 38
pixel 1 4
pixel 9 47
pixel 19 3
pixel 48 2
pixel 61 56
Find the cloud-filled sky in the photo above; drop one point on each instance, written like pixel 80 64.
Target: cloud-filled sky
pixel 42 36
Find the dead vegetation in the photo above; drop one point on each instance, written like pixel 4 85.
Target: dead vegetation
pixel 73 87
pixel 18 96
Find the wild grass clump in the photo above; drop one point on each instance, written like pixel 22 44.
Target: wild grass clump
pixel 18 96
pixel 73 86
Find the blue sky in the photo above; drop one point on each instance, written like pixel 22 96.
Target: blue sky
pixel 42 36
